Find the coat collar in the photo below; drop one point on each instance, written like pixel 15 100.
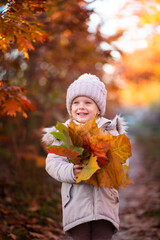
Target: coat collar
pixel 100 121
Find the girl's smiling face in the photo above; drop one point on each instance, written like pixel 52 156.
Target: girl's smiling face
pixel 84 109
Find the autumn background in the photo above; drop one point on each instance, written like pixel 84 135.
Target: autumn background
pixel 44 46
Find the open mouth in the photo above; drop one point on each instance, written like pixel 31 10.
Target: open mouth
pixel 82 114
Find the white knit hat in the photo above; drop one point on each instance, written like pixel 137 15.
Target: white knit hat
pixel 87 85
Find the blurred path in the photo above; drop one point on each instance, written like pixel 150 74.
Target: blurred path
pixel 139 202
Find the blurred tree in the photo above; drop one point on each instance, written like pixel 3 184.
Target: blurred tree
pixel 19 25
pixel 139 71
pixel 19 28
pixel 149 13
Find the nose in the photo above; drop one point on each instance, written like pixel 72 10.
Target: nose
pixel 81 105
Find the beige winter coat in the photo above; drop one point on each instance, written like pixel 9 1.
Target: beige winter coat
pixel 83 202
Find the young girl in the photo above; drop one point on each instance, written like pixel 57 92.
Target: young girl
pixel 89 212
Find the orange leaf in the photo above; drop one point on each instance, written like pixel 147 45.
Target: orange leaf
pixel 2 96
pixel 10 107
pixel 99 146
pixel 26 103
pixel 89 127
pixel 120 148
pixel 126 180
pixel 40 161
pixel 100 178
pixel 73 156
pixel 25 54
pixel 27 43
pixel 76 139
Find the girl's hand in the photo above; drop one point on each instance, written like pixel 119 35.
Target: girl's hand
pixel 77 168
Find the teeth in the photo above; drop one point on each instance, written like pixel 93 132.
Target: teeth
pixel 82 113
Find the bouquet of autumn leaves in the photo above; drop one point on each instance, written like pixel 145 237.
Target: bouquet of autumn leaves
pixel 102 155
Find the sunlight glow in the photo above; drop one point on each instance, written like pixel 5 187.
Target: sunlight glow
pixel 107 14
pixel 108 68
pixel 140 95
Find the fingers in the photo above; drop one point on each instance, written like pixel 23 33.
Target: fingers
pixel 77 168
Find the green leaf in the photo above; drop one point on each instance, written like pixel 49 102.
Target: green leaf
pixel 63 135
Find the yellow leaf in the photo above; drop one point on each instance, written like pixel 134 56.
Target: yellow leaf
pixel 24 114
pixel 25 54
pixel 88 169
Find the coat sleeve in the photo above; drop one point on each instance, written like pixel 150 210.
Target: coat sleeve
pixel 59 168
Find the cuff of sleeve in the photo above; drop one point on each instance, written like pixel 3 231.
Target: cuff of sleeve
pixel 73 174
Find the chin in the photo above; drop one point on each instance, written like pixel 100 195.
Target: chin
pixel 82 120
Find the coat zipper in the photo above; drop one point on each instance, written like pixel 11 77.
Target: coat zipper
pixel 93 203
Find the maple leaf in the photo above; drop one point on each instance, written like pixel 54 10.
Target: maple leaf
pixel 89 127
pixel 26 102
pixel 10 107
pixel 13 101
pixel 120 147
pixel 21 25
pixel 99 147
pixel 73 156
pixel 88 169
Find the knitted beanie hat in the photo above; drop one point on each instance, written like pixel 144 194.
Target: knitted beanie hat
pixel 90 86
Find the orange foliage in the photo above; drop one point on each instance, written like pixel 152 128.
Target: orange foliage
pixel 140 70
pixel 103 155
pixel 143 93
pixel 12 101
pixel 150 13
pixel 94 140
pixel 20 25
pixel 142 73
pixel 30 156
